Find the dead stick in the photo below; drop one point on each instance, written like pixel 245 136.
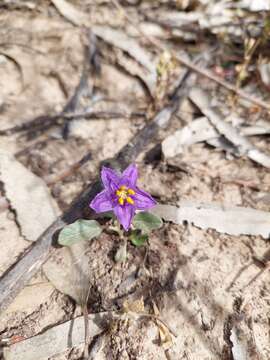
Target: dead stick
pixel 45 121
pixel 203 72
pixel 52 179
pixel 208 74
pixel 15 278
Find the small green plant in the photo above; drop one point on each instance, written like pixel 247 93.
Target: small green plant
pixel 127 202
pixel 80 230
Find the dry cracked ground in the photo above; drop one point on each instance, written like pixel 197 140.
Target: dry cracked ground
pixel 200 289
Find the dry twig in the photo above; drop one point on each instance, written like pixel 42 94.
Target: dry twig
pixel 44 122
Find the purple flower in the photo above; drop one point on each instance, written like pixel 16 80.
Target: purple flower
pixel 121 195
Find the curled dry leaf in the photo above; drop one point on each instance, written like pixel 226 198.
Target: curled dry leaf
pixel 71 13
pixel 164 336
pixel 234 220
pixel 130 46
pixel 113 37
pixel 164 332
pixel 201 130
pixel 244 147
pixel 122 41
pixel 197 131
pixel 29 197
pixel 136 306
pixel 132 67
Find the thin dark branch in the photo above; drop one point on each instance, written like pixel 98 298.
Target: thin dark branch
pixel 90 65
pixel 46 121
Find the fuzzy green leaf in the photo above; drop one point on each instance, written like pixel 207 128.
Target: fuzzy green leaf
pixel 137 238
pixel 147 222
pixel 80 230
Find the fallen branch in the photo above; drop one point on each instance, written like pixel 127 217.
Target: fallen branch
pixel 17 277
pixel 90 65
pixel 46 121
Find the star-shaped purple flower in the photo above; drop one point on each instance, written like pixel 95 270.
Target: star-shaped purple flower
pixel 121 195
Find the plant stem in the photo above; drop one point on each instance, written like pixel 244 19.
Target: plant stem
pixel 86 332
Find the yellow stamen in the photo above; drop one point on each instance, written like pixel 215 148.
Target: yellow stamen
pixel 121 201
pixel 123 195
pixel 129 200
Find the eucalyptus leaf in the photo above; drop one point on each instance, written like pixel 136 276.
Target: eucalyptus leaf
pixel 137 238
pixel 80 230
pixel 147 222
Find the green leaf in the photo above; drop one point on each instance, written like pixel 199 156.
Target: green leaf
pixel 80 230
pixel 146 222
pixel 108 215
pixel 137 238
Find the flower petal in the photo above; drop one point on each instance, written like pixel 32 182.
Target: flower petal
pixel 102 202
pixel 109 178
pixel 130 175
pixel 124 214
pixel 143 200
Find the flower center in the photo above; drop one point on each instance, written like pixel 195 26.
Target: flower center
pixel 124 195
